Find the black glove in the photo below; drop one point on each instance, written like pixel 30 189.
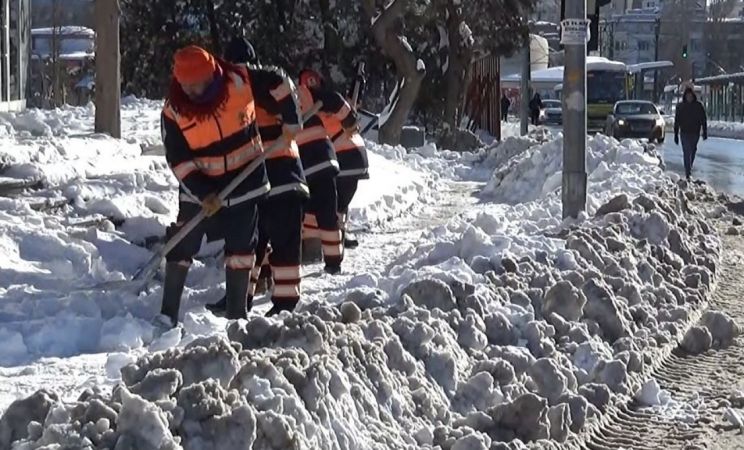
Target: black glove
pixel 705 136
pixel 676 139
pixel 171 230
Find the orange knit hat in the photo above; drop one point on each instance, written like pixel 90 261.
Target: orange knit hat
pixel 193 64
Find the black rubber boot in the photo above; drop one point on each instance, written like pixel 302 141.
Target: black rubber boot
pixel 332 268
pixel 175 279
pixel 238 282
pixel 285 305
pixel 218 307
pixel 350 242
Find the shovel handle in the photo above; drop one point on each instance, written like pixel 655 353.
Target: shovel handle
pixel 189 226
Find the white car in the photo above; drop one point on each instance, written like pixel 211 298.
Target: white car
pixel 552 112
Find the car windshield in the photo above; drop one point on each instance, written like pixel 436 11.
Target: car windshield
pixel 551 103
pixel 604 86
pixel 634 108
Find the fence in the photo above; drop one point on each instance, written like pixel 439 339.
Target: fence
pixel 483 96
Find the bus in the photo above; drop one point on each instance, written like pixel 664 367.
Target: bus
pixel 607 82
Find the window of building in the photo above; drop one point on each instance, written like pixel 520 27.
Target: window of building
pixel 643 46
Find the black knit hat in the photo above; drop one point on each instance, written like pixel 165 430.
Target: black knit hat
pixel 239 50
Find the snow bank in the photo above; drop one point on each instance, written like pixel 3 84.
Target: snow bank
pixel 504 325
pixel 524 174
pixel 719 129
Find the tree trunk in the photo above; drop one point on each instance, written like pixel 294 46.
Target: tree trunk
pixel 213 27
pixel 108 60
pixel 395 46
pixel 456 68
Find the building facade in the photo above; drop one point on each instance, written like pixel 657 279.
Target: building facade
pixel 658 30
pixel 15 53
pixel 630 37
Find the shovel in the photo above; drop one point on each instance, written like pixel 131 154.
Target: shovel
pixel 147 272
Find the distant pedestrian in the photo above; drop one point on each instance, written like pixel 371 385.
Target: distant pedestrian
pixel 536 106
pixel 505 105
pixel 689 120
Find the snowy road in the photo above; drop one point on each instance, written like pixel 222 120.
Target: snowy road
pixel 720 162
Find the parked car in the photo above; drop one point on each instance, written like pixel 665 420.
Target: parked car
pixel 552 113
pixel 636 119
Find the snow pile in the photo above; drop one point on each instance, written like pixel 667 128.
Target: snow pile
pixel 532 173
pixel 489 333
pixel 392 188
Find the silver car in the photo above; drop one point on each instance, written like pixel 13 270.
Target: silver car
pixel 636 119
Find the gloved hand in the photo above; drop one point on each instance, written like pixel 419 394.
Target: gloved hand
pixel 705 136
pixel 171 230
pixel 289 132
pixel 676 139
pixel 349 132
pixel 211 204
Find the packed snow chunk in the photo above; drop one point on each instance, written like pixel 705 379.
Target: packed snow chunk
pixel 565 300
pixel 13 350
pixel 589 354
pixel 204 358
pixel 722 328
pixel 124 333
pixel 527 417
pixel 651 394
pixel 697 340
pixel 214 418
pixel 143 425
pixel 159 384
pixel 431 294
pixel 603 307
pixel 115 361
pixel 617 204
pixel 549 379
pixel 16 419
pixel 560 422
pixel 597 394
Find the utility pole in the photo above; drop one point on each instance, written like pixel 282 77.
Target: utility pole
pixel 108 60
pixel 657 32
pixel 524 113
pixel 574 38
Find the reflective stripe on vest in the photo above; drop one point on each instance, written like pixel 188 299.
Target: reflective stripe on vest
pixel 311 134
pixel 344 143
pixel 206 138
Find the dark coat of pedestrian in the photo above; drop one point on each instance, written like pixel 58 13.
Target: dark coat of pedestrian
pixel 690 121
pixel 505 105
pixel 536 106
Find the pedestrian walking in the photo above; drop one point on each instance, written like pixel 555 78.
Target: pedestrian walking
pixel 689 121
pixel 505 105
pixel 536 106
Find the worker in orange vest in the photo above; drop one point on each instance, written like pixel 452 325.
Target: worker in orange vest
pixel 210 135
pixel 341 124
pixel 280 215
pixel 321 168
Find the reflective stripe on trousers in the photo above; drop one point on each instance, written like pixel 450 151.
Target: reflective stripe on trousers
pixel 310 228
